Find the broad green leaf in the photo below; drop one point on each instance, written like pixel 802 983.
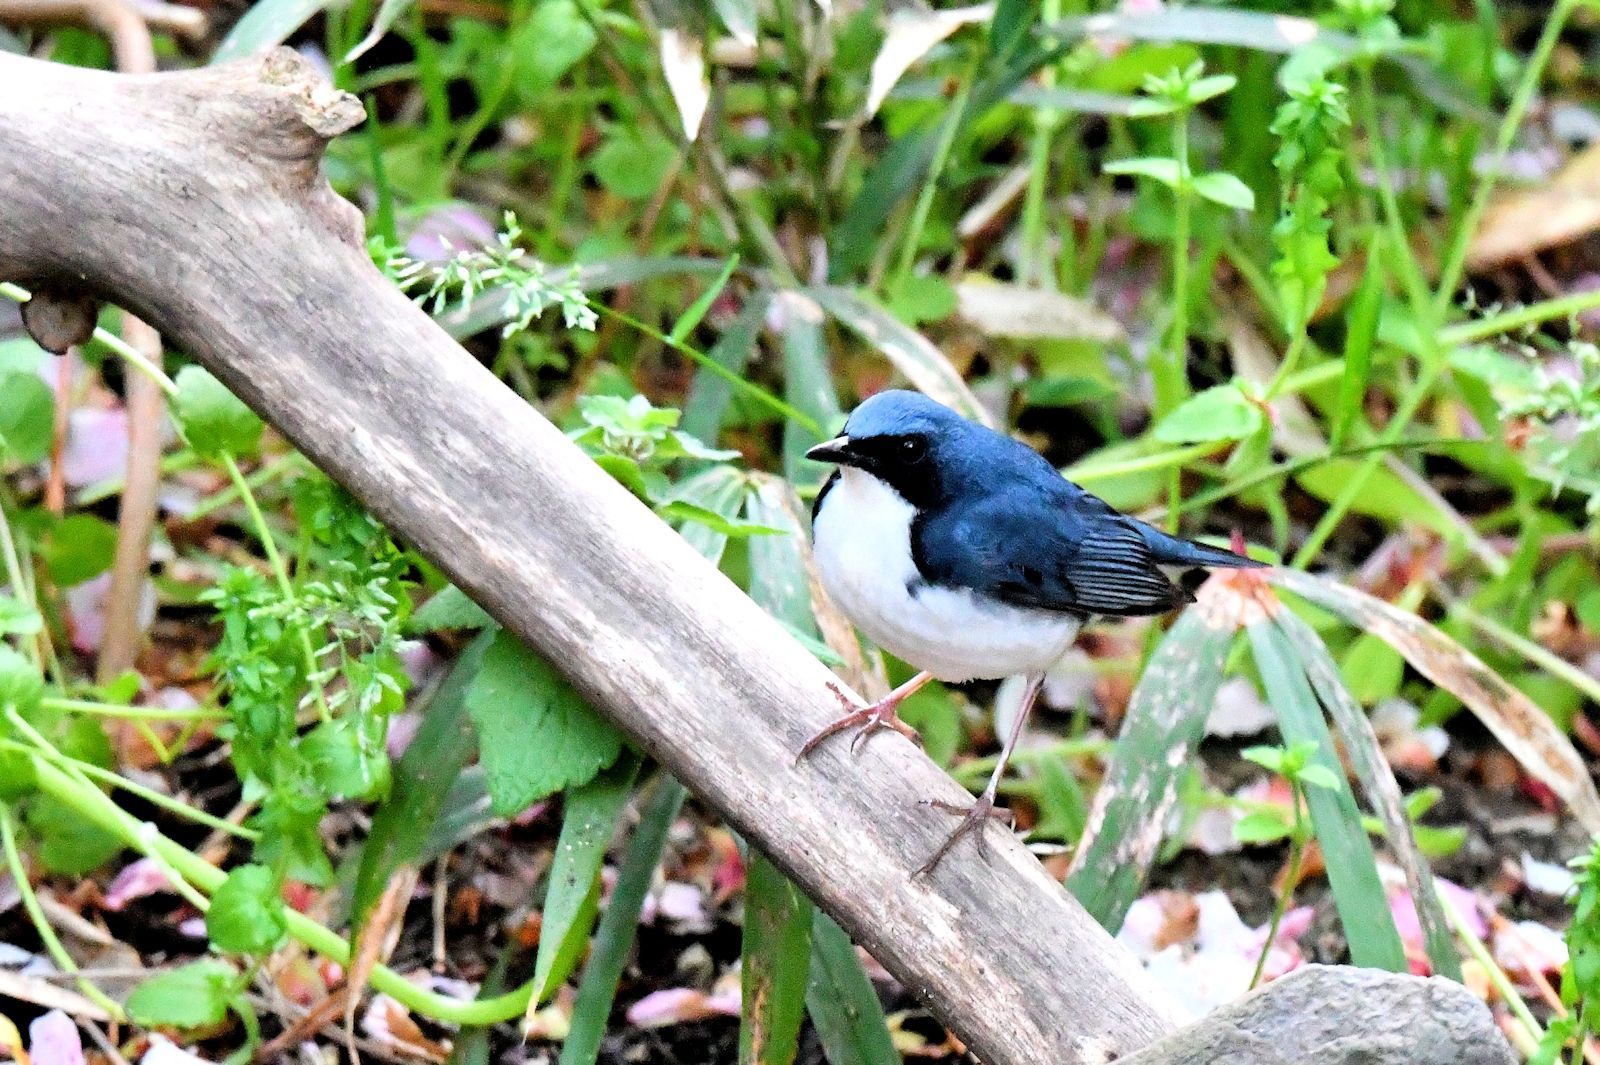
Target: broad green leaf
pixel 1166 171
pixel 212 419
pixel 554 38
pixel 613 940
pixel 1352 868
pixel 344 762
pixel 682 510
pixel 21 684
pixel 923 298
pixel 711 393
pixel 78 548
pixel 68 844
pixel 632 163
pixel 18 618
pixel 449 608
pixel 808 382
pixel 1263 826
pixel 843 1005
pixel 1164 725
pixel 775 965
pixel 27 418
pixel 1361 333
pixel 265 25
pixel 1387 496
pixel 191 996
pixel 246 914
pixel 536 734
pixel 1220 413
pixel 1319 776
pixel 720 490
pixel 422 783
pixel 1225 189
pixel 18 777
pixel 572 898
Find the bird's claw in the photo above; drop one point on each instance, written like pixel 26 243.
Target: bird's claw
pixel 867 719
pixel 973 819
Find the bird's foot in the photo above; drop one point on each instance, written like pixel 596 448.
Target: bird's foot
pixel 883 714
pixel 973 818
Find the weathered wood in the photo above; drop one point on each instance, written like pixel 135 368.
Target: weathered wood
pixel 1339 1015
pixel 195 201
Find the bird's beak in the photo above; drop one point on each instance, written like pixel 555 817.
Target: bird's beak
pixel 836 451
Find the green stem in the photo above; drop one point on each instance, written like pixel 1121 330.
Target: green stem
pixel 1297 853
pixel 1533 72
pixel 109 339
pixel 1161 460
pixel 283 464
pixel 41 924
pixel 94 806
pixel 1520 318
pixel 1497 975
pixel 1171 384
pixel 270 546
pixel 14 577
pixel 1553 664
pixel 141 713
pixel 930 185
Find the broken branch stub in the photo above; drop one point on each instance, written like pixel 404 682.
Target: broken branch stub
pixel 261 274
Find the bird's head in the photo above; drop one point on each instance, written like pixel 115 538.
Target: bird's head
pixel 901 438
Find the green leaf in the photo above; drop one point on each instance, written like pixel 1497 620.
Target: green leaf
pixel 843 1005
pixel 1224 188
pixel 1352 868
pixel 923 298
pixel 1319 776
pixel 613 941
pixel 682 510
pixel 1220 413
pixel 632 163
pixel 211 418
pixel 571 901
pixel 536 734
pixel 18 777
pixel 191 996
pixel 697 310
pixel 27 417
pixel 1166 171
pixel 1269 758
pixel 344 763
pixel 388 11
pixel 246 914
pixel 1361 333
pixel 1152 107
pixel 1387 496
pixel 78 548
pixel 1263 826
pixel 449 608
pixel 553 39
pixel 69 845
pixel 18 618
pixel 265 25
pixel 21 684
pixel 1163 727
pixel 775 965
pixel 1211 87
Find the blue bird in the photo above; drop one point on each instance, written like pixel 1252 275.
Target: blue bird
pixel 967 555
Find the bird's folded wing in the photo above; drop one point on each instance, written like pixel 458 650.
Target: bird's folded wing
pixel 1048 558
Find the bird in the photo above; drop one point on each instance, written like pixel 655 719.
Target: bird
pixel 966 554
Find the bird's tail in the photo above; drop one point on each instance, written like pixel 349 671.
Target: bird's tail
pixel 1174 551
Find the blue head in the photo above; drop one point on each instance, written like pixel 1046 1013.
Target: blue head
pixel 920 448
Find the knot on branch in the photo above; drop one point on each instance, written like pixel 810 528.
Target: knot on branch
pixel 323 110
pixel 57 320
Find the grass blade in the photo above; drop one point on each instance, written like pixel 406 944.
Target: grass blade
pixel 924 365
pixel 1377 780
pixel 697 310
pixel 1352 868
pixel 807 382
pixel 843 1005
pixel 614 939
pixel 777 949
pixel 572 898
pixel 1361 335
pixel 711 395
pixel 1524 730
pixel 1164 724
pixel 265 25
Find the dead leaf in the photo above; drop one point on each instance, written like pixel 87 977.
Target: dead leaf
pixel 1521 727
pixel 910 34
pixel 683 62
pixel 1015 312
pixel 1526 221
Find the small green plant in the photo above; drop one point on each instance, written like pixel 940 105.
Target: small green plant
pixel 1580 976
pixel 501 269
pixel 1295 764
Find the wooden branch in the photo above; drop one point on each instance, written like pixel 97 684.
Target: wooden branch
pixel 195 200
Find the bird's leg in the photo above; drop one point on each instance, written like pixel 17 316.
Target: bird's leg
pixel 974 817
pixel 885 713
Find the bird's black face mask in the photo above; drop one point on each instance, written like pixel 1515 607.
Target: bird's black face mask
pixel 900 460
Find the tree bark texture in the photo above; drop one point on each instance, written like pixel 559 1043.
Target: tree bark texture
pixel 195 200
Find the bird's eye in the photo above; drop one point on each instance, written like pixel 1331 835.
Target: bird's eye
pixel 911 448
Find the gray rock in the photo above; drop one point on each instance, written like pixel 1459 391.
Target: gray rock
pixel 1340 1015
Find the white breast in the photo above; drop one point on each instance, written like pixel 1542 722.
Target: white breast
pixel 863 546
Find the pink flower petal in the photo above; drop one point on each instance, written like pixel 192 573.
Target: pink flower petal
pixel 681 1005
pixel 141 878
pixel 54 1040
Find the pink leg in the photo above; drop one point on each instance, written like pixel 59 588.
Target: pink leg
pixel 883 714
pixel 973 818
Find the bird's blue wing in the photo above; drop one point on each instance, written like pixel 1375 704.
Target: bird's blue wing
pixel 1060 551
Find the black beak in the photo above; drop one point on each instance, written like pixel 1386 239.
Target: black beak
pixel 836 451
